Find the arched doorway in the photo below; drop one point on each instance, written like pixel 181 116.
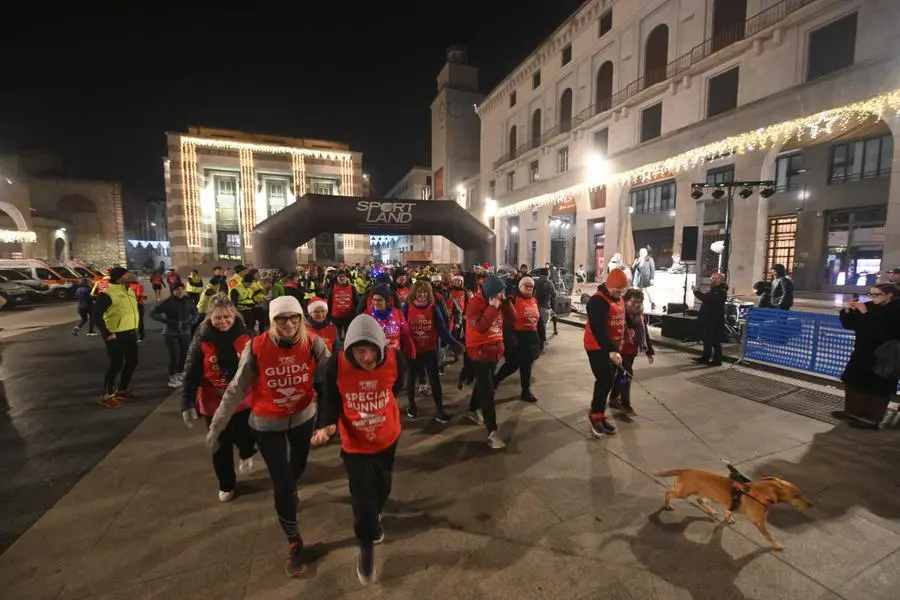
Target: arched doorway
pixel 656 55
pixel 603 97
pixel 565 111
pixel 512 142
pixel 11 218
pixel 536 128
pixel 729 17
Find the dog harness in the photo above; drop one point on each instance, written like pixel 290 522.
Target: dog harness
pixel 740 488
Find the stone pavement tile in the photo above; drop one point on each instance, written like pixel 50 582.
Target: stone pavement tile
pixel 881 581
pixel 214 580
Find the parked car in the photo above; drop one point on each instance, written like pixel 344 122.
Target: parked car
pixel 37 289
pixel 13 293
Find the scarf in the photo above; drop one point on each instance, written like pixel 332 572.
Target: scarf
pixel 226 355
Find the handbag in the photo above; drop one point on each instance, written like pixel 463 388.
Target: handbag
pixel 887 360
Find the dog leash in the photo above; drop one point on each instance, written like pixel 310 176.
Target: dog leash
pixel 675 416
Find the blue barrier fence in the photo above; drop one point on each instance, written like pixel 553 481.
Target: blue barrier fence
pixel 809 342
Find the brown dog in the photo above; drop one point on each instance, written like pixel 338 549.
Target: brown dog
pixel 755 501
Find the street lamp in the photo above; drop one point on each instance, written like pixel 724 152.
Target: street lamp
pixel 718 191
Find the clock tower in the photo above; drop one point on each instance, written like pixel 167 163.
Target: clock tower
pixel 455 127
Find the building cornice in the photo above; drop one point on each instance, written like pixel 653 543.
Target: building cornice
pixel 315 153
pixel 565 33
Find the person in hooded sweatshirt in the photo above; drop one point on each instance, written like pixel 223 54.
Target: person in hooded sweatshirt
pixel 361 387
pixel 179 314
pixel 392 321
pixel 212 362
pixel 277 369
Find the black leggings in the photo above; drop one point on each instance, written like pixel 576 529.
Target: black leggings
pixel 603 371
pixel 621 389
pixel 236 433
pixel 286 454
pixel 86 315
pixel 370 477
pixel 512 365
pixel 123 357
pixel 428 363
pixel 178 348
pixel 483 393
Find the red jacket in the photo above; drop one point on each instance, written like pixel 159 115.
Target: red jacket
pixel 482 340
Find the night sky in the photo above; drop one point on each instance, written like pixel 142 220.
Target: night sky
pixel 102 90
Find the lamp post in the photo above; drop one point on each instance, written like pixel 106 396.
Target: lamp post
pixel 726 189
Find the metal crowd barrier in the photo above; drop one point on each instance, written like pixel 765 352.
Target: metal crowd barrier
pixel 807 342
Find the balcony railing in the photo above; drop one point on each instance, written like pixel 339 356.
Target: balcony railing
pixel 758 22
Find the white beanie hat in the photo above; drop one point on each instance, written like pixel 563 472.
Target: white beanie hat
pixel 284 305
pixel 526 281
pixel 457 279
pixel 316 303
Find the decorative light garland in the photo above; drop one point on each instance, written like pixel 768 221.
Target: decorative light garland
pixel 11 236
pixel 248 191
pixel 764 138
pixel 318 153
pixel 190 195
pixel 298 169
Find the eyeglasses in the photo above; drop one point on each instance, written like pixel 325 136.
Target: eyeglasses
pixel 877 294
pixel 295 319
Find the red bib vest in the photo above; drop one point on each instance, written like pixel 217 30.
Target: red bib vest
pixel 392 326
pixel 422 327
pixel 615 324
pixel 327 333
pixel 214 382
pixel 527 314
pixel 342 301
pixel 284 386
pixel 494 334
pixel 369 420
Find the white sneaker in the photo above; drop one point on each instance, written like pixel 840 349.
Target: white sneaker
pixel 495 442
pixel 225 496
pixel 245 465
pixel 173 381
pixel 476 417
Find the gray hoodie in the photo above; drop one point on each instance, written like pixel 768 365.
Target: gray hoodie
pixel 247 372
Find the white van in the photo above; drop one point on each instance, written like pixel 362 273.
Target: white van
pixel 60 286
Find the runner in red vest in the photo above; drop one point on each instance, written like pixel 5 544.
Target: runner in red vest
pixel 138 288
pixel 603 335
pixel 278 368
pixel 484 347
pixel 212 361
pixel 392 322
pixel 156 281
pixel 401 280
pixel 362 384
pixel 427 326
pixel 523 313
pixel 342 300
pixel 321 325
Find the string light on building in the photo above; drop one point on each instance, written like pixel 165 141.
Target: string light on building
pixel 298 170
pixel 248 194
pixel 763 139
pixel 190 194
pixel 314 153
pixel 11 236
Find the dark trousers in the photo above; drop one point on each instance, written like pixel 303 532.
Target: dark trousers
pixel 262 318
pixel 341 324
pixel 369 476
pixel 621 389
pixel 483 393
pixel 513 364
pixel 427 362
pixel 286 454
pixel 140 321
pixel 87 316
pixel 249 319
pixel 865 406
pixel 603 371
pixel 178 348
pixel 712 343
pixel 123 358
pixel 236 433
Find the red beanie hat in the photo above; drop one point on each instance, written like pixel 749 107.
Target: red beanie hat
pixel 617 279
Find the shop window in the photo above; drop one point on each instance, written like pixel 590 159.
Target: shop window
pixel 855 247
pixel 780 243
pixel 720 175
pixel 656 198
pixel 832 47
pixel 789 172
pixel 861 159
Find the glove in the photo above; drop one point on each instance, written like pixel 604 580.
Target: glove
pixel 212 441
pixel 189 416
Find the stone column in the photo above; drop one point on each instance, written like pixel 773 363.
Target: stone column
pixel 891 258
